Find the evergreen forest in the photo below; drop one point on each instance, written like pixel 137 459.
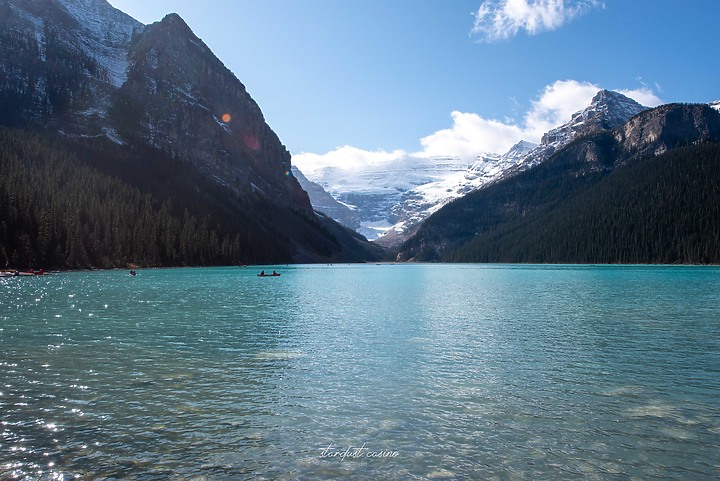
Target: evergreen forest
pixel 67 205
pixel 657 209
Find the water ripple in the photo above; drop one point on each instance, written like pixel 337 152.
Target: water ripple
pixel 422 372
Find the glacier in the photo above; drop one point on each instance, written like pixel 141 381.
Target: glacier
pixel 392 199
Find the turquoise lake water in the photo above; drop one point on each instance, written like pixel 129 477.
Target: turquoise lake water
pixel 362 372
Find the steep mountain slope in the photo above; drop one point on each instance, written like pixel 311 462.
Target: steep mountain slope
pixel 179 97
pixel 567 208
pixel 61 61
pixel 663 209
pixel 131 98
pixel 323 202
pixel 419 203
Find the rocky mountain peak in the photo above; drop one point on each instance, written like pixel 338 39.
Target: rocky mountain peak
pixel 606 96
pixel 667 127
pixel 173 27
pixel 614 109
pixel 520 149
pixel 180 97
pixel 85 70
pixel 608 110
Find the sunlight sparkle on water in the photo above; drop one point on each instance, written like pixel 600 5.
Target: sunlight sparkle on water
pixel 466 372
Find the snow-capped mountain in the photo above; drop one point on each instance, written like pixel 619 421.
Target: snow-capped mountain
pixel 391 200
pixel 419 203
pixel 605 197
pixel 608 110
pixel 373 191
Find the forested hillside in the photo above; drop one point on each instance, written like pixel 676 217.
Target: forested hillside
pixel 659 209
pixel 79 206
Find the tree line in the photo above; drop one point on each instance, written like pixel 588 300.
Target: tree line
pixel 660 209
pixel 652 209
pixel 60 212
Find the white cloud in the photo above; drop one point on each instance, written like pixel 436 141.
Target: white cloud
pixel 346 157
pixel 469 131
pixel 556 105
pixel 644 96
pixel 470 134
pixel 502 19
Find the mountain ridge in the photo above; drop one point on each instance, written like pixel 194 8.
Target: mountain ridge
pixel 392 205
pixel 488 225
pixel 128 98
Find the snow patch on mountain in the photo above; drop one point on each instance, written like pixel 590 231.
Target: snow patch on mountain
pixel 391 199
pixel 419 203
pixel 373 191
pixel 108 33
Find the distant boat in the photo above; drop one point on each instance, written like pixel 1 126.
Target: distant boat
pixel 40 272
pixel 274 274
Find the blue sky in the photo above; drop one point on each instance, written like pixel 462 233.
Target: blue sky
pixel 367 81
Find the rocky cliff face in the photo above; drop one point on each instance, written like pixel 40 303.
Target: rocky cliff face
pixel 85 69
pixel 61 62
pixel 668 127
pixel 323 202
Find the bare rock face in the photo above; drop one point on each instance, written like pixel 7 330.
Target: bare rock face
pixel 178 96
pixel 323 202
pixel 84 69
pixel 668 127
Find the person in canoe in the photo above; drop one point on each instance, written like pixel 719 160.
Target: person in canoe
pixel 274 274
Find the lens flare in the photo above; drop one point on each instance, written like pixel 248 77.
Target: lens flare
pixel 226 118
pixel 251 141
